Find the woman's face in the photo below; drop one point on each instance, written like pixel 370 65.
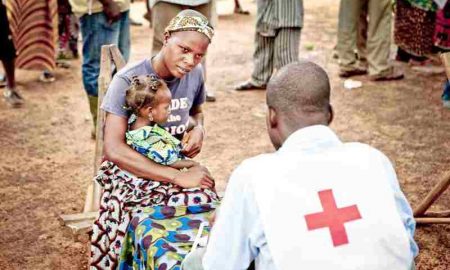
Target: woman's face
pixel 183 51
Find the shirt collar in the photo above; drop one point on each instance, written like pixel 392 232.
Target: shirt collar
pixel 310 138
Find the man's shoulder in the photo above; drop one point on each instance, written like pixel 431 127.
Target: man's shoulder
pixel 364 149
pixel 257 164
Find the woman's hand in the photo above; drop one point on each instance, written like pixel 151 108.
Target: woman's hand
pixel 197 176
pixel 193 141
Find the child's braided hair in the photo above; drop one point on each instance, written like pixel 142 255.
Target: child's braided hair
pixel 142 92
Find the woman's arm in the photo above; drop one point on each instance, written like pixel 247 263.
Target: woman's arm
pixel 117 151
pixel 193 139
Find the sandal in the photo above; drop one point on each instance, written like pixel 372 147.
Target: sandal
pixel 210 97
pixel 352 72
pixel 248 86
pixel 241 11
pixel 392 76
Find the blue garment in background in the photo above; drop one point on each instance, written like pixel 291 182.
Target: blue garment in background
pixel 96 31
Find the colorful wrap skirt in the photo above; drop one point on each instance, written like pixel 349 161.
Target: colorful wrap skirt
pixel 125 195
pixel 160 237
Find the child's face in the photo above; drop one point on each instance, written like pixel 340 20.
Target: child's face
pixel 161 108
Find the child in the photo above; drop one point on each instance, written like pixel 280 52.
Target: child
pixel 148 98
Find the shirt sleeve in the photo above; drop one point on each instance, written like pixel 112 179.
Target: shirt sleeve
pixel 403 207
pixel 114 100
pixel 200 95
pixel 230 245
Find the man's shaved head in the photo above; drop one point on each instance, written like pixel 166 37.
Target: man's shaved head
pixel 300 93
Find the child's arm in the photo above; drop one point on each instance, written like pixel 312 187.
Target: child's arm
pixel 184 163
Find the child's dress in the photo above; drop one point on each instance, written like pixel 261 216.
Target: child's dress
pixel 156 143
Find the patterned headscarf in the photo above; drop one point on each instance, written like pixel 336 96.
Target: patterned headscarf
pixel 191 20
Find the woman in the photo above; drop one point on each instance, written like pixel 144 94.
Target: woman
pixel 34 27
pixel 414 29
pixel 124 174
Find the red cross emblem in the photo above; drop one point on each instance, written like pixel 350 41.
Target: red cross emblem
pixel 332 217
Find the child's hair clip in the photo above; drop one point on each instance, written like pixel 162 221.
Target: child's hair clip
pixel 153 82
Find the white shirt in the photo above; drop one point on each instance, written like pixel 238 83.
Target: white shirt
pixel 238 236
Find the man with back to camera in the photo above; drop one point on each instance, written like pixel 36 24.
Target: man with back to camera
pixel 315 203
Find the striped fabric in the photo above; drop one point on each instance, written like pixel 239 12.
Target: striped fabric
pixel 275 14
pixel 34 27
pixel 272 53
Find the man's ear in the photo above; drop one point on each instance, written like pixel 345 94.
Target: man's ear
pixel 273 118
pixel 330 114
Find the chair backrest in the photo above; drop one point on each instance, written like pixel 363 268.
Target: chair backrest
pixel 110 57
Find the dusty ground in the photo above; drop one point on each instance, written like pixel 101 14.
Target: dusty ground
pixel 47 152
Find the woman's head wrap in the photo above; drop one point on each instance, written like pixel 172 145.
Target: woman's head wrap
pixel 190 20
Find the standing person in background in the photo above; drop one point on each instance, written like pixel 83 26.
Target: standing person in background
pixel 8 56
pixel 414 29
pixel 378 40
pixel 441 41
pixel 102 22
pixel 34 28
pixel 277 39
pixel 68 28
pixel 162 11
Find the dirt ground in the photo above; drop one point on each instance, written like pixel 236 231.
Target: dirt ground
pixel 47 154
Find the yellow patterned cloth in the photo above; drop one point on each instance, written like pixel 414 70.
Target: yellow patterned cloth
pixel 190 23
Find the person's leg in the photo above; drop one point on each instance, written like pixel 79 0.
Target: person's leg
pixel 9 66
pixel 349 15
pixel 286 47
pixel 379 38
pixel 148 14
pixel 262 64
pixel 10 93
pixel 8 56
pixel 238 8
pixel 262 60
pixel 361 38
pixel 124 35
pixel 206 10
pixel 162 13
pixel 95 31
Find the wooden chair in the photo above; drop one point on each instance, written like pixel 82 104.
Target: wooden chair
pixel 81 224
pixel 420 212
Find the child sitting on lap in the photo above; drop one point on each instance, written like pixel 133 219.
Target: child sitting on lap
pixel 149 98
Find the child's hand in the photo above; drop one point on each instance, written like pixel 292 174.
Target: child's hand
pixel 193 141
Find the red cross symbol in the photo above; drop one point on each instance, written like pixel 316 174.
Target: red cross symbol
pixel 332 217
